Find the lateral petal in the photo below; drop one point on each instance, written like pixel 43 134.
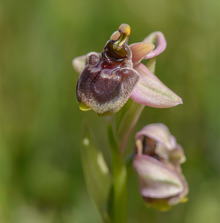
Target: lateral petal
pixel 140 51
pixel 79 63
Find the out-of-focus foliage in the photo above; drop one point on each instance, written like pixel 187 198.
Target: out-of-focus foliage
pixel 41 179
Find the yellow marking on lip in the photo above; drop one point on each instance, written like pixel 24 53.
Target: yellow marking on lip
pixel 84 107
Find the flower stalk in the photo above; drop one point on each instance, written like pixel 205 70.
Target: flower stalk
pixel 119 172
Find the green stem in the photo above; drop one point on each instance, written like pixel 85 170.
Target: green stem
pixel 128 123
pixel 119 209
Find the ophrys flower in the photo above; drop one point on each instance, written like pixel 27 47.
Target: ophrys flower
pixel 108 79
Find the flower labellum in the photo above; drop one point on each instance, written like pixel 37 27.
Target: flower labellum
pixel 108 79
pixel 157 163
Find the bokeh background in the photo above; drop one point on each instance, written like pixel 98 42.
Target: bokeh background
pixel 41 178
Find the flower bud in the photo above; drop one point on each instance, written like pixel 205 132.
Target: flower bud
pixel 157 163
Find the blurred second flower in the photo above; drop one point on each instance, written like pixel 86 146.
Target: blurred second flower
pixel 157 163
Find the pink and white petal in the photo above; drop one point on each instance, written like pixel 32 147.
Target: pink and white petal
pixel 160 133
pixel 115 35
pixel 79 63
pixel 158 39
pixel 156 180
pixel 150 91
pixel 140 50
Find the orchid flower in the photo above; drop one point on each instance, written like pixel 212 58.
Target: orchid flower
pixel 108 79
pixel 157 163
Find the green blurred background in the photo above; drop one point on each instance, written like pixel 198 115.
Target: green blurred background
pixel 41 178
